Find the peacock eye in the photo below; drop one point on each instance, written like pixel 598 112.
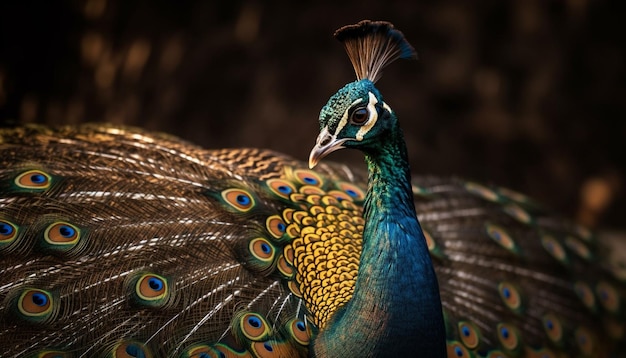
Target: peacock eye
pixel 359 116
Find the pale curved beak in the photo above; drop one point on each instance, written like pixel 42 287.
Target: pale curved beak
pixel 326 143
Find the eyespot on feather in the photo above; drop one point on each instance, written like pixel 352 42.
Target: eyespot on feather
pixel 585 340
pixel 500 236
pixel 310 190
pixel 254 327
pixel 61 233
pixel 469 333
pixel 51 354
pixel 430 243
pixel 456 349
pixel 35 303
pixel 275 226
pixel 340 195
pixel 285 268
pixel 130 349
pixel 482 191
pixel 217 350
pixel 508 336
pixel 293 287
pixel 585 294
pixel 609 298
pixel 152 290
pixel 239 199
pixel 299 331
pixel 262 249
pixel 497 354
pixel 517 213
pixel 554 248
pixel 265 349
pixel 226 351
pixel 353 191
pixel 513 195
pixel 280 187
pixel 308 177
pixel 288 253
pixel 34 179
pixel 420 191
pixel 552 326
pixel 510 296
pixel 8 232
pixel 578 247
pixel 199 351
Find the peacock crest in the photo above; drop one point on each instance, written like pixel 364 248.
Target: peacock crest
pixel 372 45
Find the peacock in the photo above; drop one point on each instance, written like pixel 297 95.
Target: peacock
pixel 117 242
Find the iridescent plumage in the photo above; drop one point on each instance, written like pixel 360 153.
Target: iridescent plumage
pixel 119 242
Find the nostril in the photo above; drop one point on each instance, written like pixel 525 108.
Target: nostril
pixel 325 141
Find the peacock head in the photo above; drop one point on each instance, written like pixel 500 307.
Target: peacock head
pixel 356 116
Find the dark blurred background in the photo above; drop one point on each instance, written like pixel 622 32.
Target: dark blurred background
pixel 528 94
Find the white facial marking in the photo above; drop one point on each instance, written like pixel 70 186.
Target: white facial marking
pixel 344 119
pixel 386 106
pixel 371 121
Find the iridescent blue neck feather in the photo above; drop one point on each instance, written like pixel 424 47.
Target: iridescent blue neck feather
pixel 396 308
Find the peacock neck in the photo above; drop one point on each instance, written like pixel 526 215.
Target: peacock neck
pixel 396 308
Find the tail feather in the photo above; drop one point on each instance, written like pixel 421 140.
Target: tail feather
pixel 114 239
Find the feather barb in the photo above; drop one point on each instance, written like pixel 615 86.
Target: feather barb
pixel 372 45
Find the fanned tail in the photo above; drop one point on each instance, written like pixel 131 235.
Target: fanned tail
pixel 514 278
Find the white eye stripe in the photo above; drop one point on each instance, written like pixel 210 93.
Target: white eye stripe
pixel 344 119
pixel 371 121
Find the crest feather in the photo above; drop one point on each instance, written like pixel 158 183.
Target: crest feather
pixel 372 45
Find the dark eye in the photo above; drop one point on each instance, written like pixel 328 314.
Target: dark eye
pixel 359 116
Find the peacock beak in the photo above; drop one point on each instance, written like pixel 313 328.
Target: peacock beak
pixel 326 143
